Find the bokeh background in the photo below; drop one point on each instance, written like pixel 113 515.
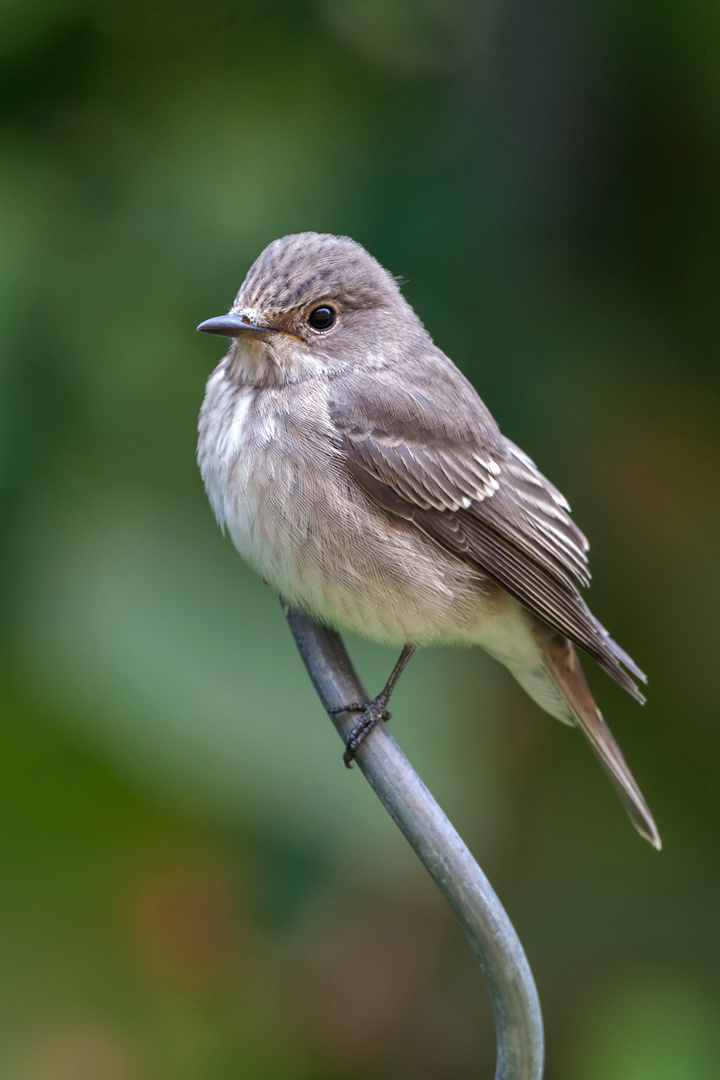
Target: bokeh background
pixel 191 885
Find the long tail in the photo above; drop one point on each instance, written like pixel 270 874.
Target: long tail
pixel 563 667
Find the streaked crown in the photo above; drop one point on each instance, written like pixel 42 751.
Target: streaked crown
pixel 305 266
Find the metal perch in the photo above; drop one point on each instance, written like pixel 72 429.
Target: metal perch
pixel 513 994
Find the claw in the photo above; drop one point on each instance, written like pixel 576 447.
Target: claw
pixel 354 706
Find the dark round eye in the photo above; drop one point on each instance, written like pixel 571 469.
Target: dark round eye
pixel 321 318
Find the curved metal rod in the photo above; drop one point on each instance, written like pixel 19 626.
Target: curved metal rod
pixel 513 994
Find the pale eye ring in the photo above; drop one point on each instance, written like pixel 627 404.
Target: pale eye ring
pixel 322 317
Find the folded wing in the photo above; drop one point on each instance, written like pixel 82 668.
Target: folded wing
pixel 447 468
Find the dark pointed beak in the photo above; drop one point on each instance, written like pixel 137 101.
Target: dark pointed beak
pixel 233 326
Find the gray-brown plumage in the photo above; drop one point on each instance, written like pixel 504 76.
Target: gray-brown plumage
pixel 358 471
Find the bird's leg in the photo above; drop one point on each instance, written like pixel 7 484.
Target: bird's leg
pixel 373 712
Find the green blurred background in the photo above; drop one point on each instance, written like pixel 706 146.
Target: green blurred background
pixel 191 885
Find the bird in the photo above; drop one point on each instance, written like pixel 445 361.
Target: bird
pixel 358 471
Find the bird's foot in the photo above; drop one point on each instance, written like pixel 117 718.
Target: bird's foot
pixel 372 713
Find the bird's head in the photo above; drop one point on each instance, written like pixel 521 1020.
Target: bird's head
pixel 314 302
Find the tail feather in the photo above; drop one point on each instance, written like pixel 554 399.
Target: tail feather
pixel 563 666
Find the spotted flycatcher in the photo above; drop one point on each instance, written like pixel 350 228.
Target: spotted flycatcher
pixel 358 471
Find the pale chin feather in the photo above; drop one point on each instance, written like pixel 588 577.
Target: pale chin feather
pixel 251 361
pixel 274 361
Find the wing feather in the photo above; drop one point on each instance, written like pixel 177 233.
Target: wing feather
pixel 480 497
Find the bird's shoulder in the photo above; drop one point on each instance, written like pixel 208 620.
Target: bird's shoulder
pixel 426 398
pixel 423 439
